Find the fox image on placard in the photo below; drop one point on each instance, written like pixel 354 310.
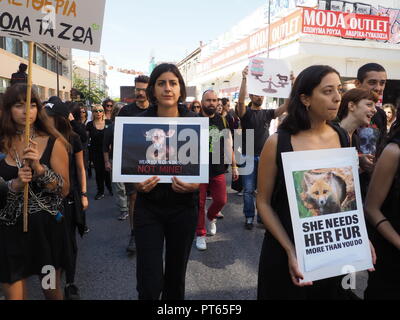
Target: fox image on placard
pixel 323 193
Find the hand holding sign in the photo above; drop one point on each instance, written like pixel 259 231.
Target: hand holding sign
pixel 268 77
pixel 148 185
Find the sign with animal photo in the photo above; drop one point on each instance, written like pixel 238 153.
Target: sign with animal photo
pixel 327 214
pixel 269 77
pixel 71 23
pixel 163 147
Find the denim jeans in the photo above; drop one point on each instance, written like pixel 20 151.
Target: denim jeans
pixel 249 186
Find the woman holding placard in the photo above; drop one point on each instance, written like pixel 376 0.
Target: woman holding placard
pixel 164 212
pixel 314 102
pixel 382 209
pixel 44 250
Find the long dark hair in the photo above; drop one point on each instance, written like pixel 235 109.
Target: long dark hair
pixel 8 128
pixel 75 109
pixel 157 72
pixel 298 119
pixel 64 127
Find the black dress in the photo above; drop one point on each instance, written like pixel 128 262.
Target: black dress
pixel 384 282
pixel 274 280
pixel 46 242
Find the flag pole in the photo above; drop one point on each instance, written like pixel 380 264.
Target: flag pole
pixel 27 130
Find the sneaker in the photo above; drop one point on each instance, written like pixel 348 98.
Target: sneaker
pixel 99 196
pixel 132 245
pixel 249 224
pixel 71 292
pixel 201 243
pixel 220 215
pixel 212 227
pixel 240 193
pixel 124 215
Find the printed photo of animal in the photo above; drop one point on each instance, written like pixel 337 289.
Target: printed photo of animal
pixel 160 149
pixel 324 191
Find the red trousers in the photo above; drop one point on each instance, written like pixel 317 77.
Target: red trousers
pixel 217 187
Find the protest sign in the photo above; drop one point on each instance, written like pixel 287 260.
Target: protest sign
pixel 164 147
pixel 269 77
pixel 66 23
pixel 327 213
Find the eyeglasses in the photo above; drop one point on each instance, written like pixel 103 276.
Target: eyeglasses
pixel 98 111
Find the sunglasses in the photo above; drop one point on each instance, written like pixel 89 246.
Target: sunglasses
pixel 109 105
pixel 98 111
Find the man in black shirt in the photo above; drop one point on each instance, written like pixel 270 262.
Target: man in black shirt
pixel 220 137
pixel 258 121
pixel 371 76
pixel 131 110
pixel 20 76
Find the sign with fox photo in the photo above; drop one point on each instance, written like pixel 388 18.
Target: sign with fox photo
pixel 327 213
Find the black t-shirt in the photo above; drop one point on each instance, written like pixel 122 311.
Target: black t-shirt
pixel 76 144
pixel 372 135
pixel 130 110
pixel 96 136
pixel 259 121
pixel 19 77
pixel 216 125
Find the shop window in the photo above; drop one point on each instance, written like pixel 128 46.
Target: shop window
pixel 25 50
pixel 2 43
pixel 4 83
pixel 41 58
pixel 52 92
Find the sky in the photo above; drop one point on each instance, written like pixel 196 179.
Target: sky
pixel 136 29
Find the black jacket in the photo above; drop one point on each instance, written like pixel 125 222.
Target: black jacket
pixel 19 77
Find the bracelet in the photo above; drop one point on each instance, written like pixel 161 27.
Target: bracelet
pixel 383 220
pixel 84 194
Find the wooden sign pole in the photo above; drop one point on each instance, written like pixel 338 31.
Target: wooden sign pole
pixel 27 129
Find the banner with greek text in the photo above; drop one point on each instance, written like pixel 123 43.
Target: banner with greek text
pixel 327 213
pixel 67 23
pixel 346 25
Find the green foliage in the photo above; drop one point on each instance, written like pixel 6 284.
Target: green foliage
pixel 94 95
pixel 298 179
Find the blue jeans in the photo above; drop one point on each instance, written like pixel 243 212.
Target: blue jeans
pixel 249 186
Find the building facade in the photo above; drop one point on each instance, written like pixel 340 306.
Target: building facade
pixel 276 31
pixel 47 60
pixel 93 70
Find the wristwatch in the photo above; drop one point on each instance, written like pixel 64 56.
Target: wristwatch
pixel 84 194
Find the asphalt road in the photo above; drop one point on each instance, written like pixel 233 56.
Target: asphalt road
pixel 227 270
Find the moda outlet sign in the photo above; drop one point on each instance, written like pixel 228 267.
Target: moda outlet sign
pixel 347 25
pixel 67 23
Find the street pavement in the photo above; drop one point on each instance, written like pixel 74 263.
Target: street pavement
pixel 227 270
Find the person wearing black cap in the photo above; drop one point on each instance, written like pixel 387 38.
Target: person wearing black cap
pixel 20 76
pixel 76 201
